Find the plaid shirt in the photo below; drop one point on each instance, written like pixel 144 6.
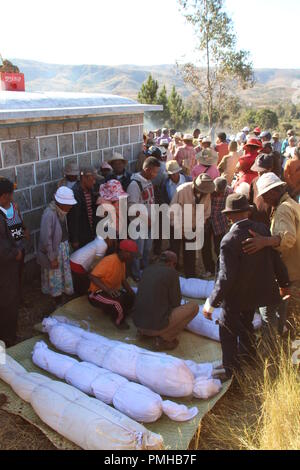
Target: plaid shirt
pixel 218 220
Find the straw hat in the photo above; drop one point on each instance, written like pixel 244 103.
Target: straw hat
pixel 72 169
pixel 267 182
pixel 204 184
pixel 208 157
pixel 117 157
pixel 188 137
pixel 173 167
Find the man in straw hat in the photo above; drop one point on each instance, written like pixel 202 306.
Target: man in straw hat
pixel 175 144
pixel 71 176
pixel 119 164
pixel 243 284
pixel 206 163
pixel 186 155
pixel 285 229
pixel 175 179
pixel 276 142
pixel 190 195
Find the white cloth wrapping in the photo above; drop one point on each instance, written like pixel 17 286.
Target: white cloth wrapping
pixel 135 400
pixel 206 388
pixel 164 374
pixel 87 422
pixel 196 288
pixel 210 329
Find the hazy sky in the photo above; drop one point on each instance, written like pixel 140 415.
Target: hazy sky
pixel 140 31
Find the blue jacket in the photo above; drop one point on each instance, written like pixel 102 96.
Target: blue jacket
pixel 245 282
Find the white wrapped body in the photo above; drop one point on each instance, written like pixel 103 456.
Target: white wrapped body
pixel 87 422
pixel 163 374
pixel 135 400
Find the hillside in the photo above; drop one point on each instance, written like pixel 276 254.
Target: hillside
pixel 272 85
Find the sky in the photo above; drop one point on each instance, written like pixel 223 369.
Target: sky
pixel 140 32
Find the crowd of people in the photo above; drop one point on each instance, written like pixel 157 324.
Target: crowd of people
pixel 249 186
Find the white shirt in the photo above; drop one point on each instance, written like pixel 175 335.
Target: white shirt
pixel 86 255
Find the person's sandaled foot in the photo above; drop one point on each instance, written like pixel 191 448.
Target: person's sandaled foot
pixel 163 345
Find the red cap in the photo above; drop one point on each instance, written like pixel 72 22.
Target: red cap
pixel 254 142
pixel 129 245
pixel 257 130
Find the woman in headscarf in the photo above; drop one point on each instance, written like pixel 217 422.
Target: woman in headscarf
pixel 54 252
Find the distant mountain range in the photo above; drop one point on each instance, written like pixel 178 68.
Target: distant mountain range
pixel 272 85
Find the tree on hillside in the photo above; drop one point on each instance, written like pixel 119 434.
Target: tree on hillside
pixel 162 117
pixel 267 119
pixel 225 67
pixel 178 114
pixel 148 92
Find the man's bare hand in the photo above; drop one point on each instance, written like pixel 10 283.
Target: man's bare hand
pixel 255 244
pixel 285 292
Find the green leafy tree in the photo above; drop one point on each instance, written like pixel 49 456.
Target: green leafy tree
pixel 148 91
pixel 162 117
pixel 267 119
pixel 179 116
pixel 221 68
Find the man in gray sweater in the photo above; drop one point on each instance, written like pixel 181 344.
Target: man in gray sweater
pixel 158 311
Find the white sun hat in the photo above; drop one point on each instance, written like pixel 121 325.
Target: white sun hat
pixel 65 196
pixel 267 182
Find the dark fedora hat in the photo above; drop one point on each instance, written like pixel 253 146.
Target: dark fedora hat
pixel 237 203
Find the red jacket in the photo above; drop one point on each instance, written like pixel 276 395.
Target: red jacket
pixel 246 175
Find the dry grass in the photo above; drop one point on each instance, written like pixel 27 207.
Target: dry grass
pixel 261 411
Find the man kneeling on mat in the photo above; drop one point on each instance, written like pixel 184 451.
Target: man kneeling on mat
pixel 158 311
pixel 109 289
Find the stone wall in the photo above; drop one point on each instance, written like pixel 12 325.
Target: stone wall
pixel 34 154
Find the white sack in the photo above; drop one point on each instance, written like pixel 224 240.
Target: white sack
pixel 134 400
pixel 210 329
pixel 207 388
pixel 165 375
pixel 204 371
pixel 87 422
pixel 138 402
pixel 196 288
pixel 179 412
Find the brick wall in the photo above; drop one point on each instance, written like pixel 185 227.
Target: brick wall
pixel 34 155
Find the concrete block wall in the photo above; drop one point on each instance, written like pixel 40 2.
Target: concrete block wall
pixel 34 155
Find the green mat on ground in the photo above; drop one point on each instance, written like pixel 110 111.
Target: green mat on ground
pixel 177 436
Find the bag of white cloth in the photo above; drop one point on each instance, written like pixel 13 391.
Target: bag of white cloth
pixel 87 422
pixel 163 374
pixel 135 400
pixel 201 326
pixel 196 288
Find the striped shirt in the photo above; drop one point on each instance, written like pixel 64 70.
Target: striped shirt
pixel 89 206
